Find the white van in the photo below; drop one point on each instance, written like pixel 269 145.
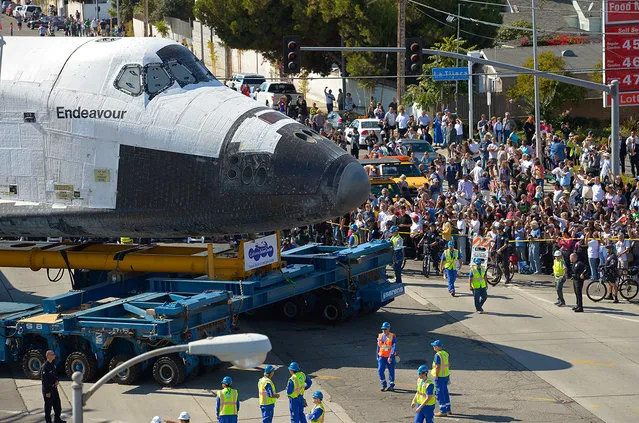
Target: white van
pixel 28 11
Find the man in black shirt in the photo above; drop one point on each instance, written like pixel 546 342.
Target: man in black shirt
pixel 579 273
pixel 502 247
pixel 50 389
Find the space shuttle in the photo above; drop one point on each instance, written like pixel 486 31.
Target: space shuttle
pixel 109 137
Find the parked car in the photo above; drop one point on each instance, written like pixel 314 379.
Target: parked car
pixel 16 11
pixel 334 120
pixel 269 93
pixel 253 80
pixel 422 149
pixel 365 127
pixel 29 11
pixel 395 167
pixel 5 4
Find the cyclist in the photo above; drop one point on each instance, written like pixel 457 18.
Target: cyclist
pixel 610 270
pixel 432 245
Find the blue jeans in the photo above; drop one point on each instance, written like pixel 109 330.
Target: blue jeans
pixel 441 390
pixel 398 260
pixel 427 413
pixel 535 261
pixel 296 407
pixel 481 295
pixel 267 413
pixel 594 268
pixel 382 364
pixel 451 276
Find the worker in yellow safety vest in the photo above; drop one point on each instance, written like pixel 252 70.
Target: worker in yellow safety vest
pixel 398 252
pixel 559 271
pixel 267 394
pixel 228 402
pixel 297 384
pixel 424 399
pixel 354 240
pixel 478 285
pixel 441 377
pixel 317 415
pixel 451 260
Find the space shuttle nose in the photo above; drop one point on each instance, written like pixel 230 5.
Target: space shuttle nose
pixel 353 189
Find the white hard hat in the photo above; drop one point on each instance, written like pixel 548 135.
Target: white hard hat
pixel 557 253
pixel 184 416
pixel 156 419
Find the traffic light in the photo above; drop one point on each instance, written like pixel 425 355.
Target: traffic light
pixel 292 58
pixel 414 58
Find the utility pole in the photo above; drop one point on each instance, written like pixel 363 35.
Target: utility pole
pixel 146 18
pixel 117 5
pixel 401 43
pixel 457 60
pixel 538 145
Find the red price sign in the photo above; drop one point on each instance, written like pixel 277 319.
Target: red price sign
pixel 628 80
pixel 625 99
pixel 621 11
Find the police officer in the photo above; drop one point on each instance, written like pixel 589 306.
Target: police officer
pixel 441 374
pixel 478 285
pixel 228 402
pixel 267 394
pixel 297 384
pixel 50 393
pixel 450 259
pixel 386 342
pixel 424 398
pixel 353 240
pixel 317 415
pixel 398 256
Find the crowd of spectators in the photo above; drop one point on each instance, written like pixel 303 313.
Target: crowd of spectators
pixel 495 185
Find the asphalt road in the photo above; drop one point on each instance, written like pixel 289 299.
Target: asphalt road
pixel 524 360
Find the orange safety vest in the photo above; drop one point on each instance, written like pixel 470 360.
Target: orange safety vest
pixel 386 346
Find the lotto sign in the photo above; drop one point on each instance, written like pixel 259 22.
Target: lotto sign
pixel 621 50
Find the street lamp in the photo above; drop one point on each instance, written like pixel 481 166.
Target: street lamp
pixel 245 350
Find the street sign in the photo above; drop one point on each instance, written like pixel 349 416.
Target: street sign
pixel 480 249
pixel 621 50
pixel 450 74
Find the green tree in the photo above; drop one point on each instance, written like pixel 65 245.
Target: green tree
pixel 552 94
pixel 509 34
pixel 163 28
pixel 260 25
pixel 428 93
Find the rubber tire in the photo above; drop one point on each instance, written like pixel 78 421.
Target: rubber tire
pixel 30 358
pixel 172 363
pixel 290 309
pixel 333 310
pixel 493 274
pixel 88 362
pixel 628 289
pixel 426 264
pixel 132 374
pixel 594 296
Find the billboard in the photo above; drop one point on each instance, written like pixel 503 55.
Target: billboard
pixel 621 49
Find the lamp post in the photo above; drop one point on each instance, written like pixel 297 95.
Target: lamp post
pixel 2 44
pixel 243 350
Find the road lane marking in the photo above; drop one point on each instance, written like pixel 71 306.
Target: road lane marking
pixel 539 399
pixel 326 377
pixel 592 363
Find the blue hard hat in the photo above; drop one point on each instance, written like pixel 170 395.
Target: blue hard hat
pixel 269 369
pixel 394 228
pixel 318 395
pixel 227 380
pixel 354 227
pixel 451 243
pixel 436 343
pixel 294 366
pixel 422 369
pixel 385 325
pixel 477 260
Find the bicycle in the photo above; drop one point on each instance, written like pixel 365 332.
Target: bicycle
pixel 628 288
pixel 428 264
pixel 596 290
pixel 496 269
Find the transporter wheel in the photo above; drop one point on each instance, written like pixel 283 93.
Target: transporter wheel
pixel 333 310
pixel 128 376
pixel 78 361
pixel 169 370
pixel 32 362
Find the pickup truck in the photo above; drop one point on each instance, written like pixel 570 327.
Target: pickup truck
pixel 269 93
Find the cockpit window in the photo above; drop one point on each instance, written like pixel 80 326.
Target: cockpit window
pixel 129 80
pixel 181 73
pixel 176 53
pixel 156 79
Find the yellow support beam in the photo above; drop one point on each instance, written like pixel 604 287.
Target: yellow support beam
pixel 227 265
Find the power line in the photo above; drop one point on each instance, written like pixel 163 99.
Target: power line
pixel 478 21
pixel 453 26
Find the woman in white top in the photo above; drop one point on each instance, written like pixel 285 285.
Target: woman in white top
pixel 597 190
pixel 593 254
